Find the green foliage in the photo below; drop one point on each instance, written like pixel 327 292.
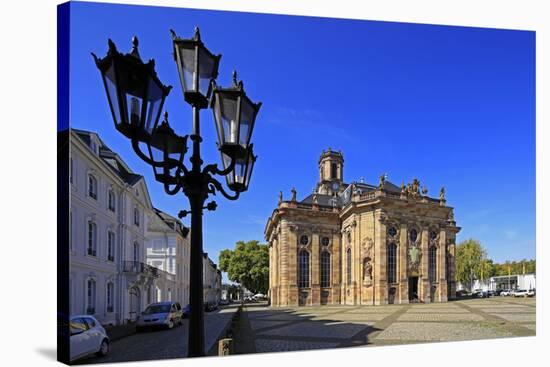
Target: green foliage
pixel 470 261
pixel 516 267
pixel 247 264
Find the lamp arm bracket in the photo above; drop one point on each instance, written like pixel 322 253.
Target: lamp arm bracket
pixel 219 187
pixel 213 168
pixel 170 162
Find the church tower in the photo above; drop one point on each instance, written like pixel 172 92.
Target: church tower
pixel 331 172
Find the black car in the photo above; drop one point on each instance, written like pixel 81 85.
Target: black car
pixel 210 306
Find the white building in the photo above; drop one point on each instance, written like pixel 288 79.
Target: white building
pixel 109 209
pixel 212 281
pixel 515 281
pixel 168 249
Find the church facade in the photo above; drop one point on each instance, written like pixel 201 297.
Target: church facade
pixel 360 244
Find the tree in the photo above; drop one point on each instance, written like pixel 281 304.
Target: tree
pixel 471 262
pixel 247 264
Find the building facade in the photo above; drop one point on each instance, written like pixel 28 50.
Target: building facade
pixel 212 281
pixel 359 244
pixel 168 250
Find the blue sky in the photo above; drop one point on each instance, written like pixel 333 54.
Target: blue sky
pixel 452 106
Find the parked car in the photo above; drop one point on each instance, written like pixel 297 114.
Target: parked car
pixel 476 292
pixel 461 293
pixel 506 292
pixel 87 337
pixel 210 306
pixel 187 311
pixel 224 302
pixel 522 293
pixel 166 314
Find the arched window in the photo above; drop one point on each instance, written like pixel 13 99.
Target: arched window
pixel 90 299
pixel 392 262
pixel 348 265
pixel 92 187
pixel 432 264
pixel 92 239
pixel 111 246
pixel 111 200
pixel 136 252
pixel 110 296
pixel 303 269
pixel 325 269
pixel 333 170
pixel 136 216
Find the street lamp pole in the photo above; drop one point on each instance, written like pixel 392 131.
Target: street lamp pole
pixel 136 97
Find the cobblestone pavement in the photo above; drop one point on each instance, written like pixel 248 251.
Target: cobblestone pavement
pixel 163 344
pixel 264 329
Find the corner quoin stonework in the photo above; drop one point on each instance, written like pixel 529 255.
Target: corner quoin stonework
pixel 361 244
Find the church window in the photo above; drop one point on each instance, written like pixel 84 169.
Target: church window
pixel 392 262
pixel 413 235
pixel 325 241
pixel 392 231
pixel 432 264
pixel 348 265
pixel 325 269
pixel 349 237
pixel 303 268
pixel 304 239
pixel 433 235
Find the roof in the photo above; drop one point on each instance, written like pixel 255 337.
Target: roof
pixel 172 221
pixel 113 160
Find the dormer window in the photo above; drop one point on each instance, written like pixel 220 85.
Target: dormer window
pixel 92 187
pixel 136 216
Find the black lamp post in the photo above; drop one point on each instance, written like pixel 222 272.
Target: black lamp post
pixel 136 97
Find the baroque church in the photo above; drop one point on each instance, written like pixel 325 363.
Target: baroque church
pixel 360 244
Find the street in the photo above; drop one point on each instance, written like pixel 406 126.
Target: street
pixel 163 343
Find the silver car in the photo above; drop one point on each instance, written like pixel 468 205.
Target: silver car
pixel 164 314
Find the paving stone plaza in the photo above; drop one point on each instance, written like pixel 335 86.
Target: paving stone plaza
pixel 265 329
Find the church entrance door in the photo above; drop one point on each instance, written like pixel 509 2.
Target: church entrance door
pixel 413 288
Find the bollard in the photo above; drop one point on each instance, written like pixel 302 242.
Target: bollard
pixel 225 347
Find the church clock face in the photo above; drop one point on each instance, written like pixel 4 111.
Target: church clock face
pixel 335 186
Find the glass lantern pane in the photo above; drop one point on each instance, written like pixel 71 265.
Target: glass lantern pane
pixel 240 170
pixel 154 97
pixel 133 106
pixel 247 119
pixel 229 118
pixel 206 70
pixel 226 161
pixel 110 85
pixel 251 161
pixel 186 63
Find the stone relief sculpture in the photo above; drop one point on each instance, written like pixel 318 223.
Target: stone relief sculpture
pixel 414 257
pixel 367 271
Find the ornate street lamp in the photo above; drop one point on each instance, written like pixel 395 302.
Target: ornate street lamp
pixel 197 67
pixel 134 91
pixel 136 96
